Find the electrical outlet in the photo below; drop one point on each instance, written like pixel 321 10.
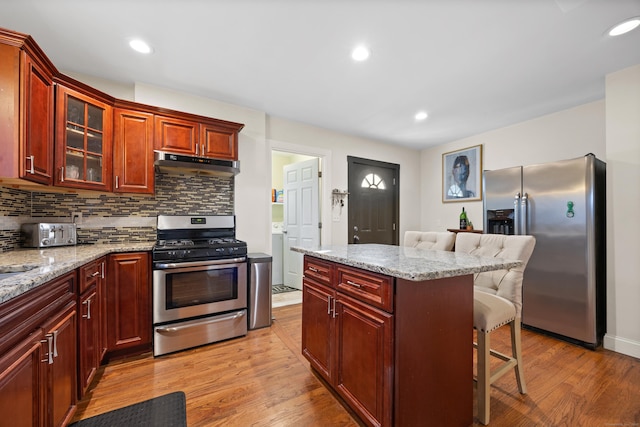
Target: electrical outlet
pixel 76 217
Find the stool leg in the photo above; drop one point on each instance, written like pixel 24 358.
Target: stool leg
pixel 484 377
pixel 516 347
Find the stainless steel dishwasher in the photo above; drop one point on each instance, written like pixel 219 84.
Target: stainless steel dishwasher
pixel 259 292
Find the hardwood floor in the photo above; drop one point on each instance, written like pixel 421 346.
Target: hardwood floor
pixel 263 380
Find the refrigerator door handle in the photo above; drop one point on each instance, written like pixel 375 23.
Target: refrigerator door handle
pixel 524 214
pixel 516 214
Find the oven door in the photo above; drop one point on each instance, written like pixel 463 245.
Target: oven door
pixel 192 289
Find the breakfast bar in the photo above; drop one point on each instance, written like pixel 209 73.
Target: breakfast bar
pixel 390 330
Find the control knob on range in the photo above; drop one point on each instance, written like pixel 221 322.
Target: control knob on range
pixel 45 242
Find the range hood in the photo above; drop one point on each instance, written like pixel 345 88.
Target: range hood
pixel 170 163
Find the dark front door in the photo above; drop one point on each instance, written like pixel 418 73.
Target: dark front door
pixel 373 201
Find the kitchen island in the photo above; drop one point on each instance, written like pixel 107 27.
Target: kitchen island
pixel 390 329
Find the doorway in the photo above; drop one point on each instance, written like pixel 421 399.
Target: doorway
pixel 295 214
pixel 373 201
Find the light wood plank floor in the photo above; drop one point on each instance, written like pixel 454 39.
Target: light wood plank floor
pixel 263 380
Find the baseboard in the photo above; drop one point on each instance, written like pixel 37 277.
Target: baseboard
pixel 622 345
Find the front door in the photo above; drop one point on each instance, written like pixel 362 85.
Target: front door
pixel 301 216
pixel 373 201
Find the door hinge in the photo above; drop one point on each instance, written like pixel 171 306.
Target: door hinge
pixel 319 225
pixel 319 174
pixel 394 181
pixel 394 226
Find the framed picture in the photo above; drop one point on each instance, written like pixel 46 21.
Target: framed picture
pixel 462 175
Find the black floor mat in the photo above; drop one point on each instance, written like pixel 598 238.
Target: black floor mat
pixel 279 289
pixel 169 410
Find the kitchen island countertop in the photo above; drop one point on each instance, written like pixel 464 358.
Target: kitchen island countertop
pixel 24 269
pixel 407 262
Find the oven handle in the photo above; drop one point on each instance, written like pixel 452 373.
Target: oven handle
pixel 199 263
pixel 208 322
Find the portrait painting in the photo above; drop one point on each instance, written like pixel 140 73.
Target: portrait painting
pixel 462 175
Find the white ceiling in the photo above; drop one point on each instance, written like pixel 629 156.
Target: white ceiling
pixel 473 65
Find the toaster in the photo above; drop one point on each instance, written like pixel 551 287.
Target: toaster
pixel 43 234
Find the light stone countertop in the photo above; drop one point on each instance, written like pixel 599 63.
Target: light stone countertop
pixel 406 262
pixel 43 265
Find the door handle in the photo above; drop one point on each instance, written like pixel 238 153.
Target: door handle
pixel 356 238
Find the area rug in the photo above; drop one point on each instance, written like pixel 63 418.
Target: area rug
pixel 279 289
pixel 169 410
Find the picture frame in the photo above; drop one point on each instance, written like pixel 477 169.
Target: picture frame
pixel 458 185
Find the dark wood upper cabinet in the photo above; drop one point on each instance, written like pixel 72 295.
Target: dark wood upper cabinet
pixel 218 142
pixel 176 135
pixel 26 102
pixel 83 141
pixel 133 151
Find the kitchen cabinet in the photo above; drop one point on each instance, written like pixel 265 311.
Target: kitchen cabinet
pixel 176 135
pixel 83 141
pixel 128 303
pixel 61 353
pixel 38 355
pixel 219 143
pixel 26 102
pixel 133 151
pixel 347 339
pixel 91 321
pixel 197 136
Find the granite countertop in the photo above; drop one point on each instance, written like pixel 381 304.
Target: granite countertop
pixel 406 262
pixel 43 265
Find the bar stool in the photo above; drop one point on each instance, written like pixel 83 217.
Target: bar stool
pixel 497 301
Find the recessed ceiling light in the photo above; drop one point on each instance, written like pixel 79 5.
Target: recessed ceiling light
pixel 420 116
pixel 360 53
pixel 140 46
pixel 625 26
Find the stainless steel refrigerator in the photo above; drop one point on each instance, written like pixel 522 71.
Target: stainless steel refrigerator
pixel 562 204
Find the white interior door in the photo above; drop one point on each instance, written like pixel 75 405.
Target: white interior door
pixel 301 216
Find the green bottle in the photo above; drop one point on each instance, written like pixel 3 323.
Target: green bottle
pixel 463 220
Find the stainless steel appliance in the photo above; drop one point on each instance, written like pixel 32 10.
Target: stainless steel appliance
pixel 259 290
pixel 179 163
pixel 43 234
pixel 562 204
pixel 199 282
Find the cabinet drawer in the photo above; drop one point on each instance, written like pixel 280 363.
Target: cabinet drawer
pixel 372 288
pixel 89 274
pixel 318 270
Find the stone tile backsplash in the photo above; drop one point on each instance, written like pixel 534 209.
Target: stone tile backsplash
pixel 114 218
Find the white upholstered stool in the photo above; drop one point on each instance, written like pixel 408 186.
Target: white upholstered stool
pixel 497 301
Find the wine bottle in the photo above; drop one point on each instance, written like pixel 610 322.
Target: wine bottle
pixel 463 220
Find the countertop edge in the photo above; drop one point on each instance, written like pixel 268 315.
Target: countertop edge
pixel 44 265
pixel 438 271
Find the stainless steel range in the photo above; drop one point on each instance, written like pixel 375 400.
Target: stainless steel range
pixel 199 282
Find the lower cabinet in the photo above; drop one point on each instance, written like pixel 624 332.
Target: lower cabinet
pixel 61 353
pixel 38 361
pixel 128 303
pixel 91 321
pixel 349 343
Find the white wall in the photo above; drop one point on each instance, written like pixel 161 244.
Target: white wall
pixel 282 132
pixel 563 135
pixel 623 205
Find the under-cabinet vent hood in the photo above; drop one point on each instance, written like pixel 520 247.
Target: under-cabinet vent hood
pixel 170 163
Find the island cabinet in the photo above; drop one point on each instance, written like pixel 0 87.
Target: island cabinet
pixel 347 335
pixel 128 303
pixel 38 355
pixel 398 351
pixel 26 102
pixel 91 321
pixel 132 151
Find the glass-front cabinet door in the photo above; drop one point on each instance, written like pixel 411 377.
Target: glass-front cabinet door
pixel 83 141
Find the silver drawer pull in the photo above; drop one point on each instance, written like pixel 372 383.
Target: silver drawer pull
pixel 96 273
pixel 315 270
pixel 354 284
